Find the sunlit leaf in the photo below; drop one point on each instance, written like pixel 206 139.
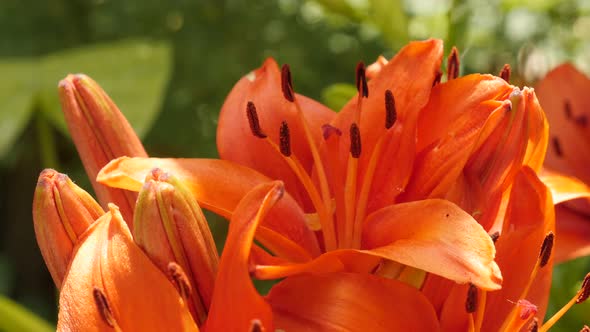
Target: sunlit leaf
pixel 133 72
pixel 16 99
pixel 14 317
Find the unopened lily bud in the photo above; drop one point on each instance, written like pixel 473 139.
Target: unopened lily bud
pixel 62 211
pixel 101 133
pixel 170 227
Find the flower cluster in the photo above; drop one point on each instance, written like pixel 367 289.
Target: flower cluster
pixel 421 205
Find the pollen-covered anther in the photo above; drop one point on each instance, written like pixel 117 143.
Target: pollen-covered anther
pixel 534 326
pixel 495 236
pixel 546 249
pixel 287 83
pixel 256 326
pixel 361 80
pixel 253 120
pixel 179 279
pixel 505 73
pixel 355 141
pixel 285 139
pixel 453 64
pixel 103 307
pixel 390 111
pixel 557 147
pixel 471 301
pixel 584 292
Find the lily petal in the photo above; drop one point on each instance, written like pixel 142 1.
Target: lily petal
pixel 409 76
pixel 525 228
pixel 435 236
pixel 217 185
pixel 349 302
pixel 449 129
pixel 101 291
pixel 564 188
pixel 563 93
pixel 233 279
pixel 263 87
pixel 572 234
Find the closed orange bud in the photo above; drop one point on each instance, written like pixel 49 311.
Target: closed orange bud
pixel 170 227
pixel 62 211
pixel 101 133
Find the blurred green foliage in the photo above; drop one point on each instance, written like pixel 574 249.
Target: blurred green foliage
pixel 169 66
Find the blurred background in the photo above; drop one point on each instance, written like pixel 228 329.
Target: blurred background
pixel 169 65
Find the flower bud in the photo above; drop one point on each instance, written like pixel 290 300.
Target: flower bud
pixel 62 211
pixel 170 227
pixel 101 133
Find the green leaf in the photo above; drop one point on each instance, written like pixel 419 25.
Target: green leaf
pixel 390 18
pixel 337 95
pixel 133 72
pixel 14 317
pixel 342 7
pixel 16 95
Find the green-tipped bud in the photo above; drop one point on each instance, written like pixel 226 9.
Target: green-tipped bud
pixel 62 211
pixel 170 227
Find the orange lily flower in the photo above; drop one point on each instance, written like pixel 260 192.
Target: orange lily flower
pixel 343 190
pixel 563 93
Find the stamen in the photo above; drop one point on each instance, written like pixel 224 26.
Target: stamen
pixel 453 64
pixel 103 307
pixel 495 236
pixel 355 141
pixel 505 73
pixel 584 290
pixel 534 327
pixel 361 80
pixel 285 139
pixel 557 147
pixel 546 249
pixel 522 312
pixel 471 302
pixel 256 326
pixel 253 120
pixel 437 77
pixel 179 280
pixel 287 83
pixel 567 109
pixel 581 296
pixel 390 112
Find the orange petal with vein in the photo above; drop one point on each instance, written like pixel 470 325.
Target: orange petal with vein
pixel 435 236
pixel 236 304
pixel 133 299
pixel 218 185
pixel 349 302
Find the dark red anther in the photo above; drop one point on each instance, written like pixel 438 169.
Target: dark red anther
pixel 287 83
pixel 285 139
pixel 361 80
pixel 453 64
pixel 355 141
pixel 103 306
pixel 495 236
pixel 546 249
pixel 471 302
pixel 505 73
pixel 253 120
pixel 390 111
pixel 179 279
pixel 584 290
